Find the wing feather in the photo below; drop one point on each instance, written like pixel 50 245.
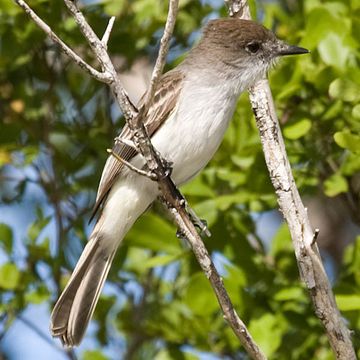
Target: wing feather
pixel 164 102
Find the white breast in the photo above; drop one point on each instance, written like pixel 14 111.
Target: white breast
pixel 191 136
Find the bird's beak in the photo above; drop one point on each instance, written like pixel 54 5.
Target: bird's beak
pixel 283 49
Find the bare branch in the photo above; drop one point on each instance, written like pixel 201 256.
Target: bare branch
pixel 303 237
pixel 164 48
pixel 106 36
pixel 238 8
pixel 95 43
pixel 103 77
pixel 316 234
pixel 128 108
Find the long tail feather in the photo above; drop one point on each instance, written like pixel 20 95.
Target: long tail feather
pixel 127 200
pixel 76 304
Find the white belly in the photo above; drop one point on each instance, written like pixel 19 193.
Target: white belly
pixel 192 135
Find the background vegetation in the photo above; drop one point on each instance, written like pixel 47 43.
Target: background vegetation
pixel 56 123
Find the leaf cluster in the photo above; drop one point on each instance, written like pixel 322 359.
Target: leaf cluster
pixel 56 124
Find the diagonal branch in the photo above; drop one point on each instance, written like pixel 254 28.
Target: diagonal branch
pixel 95 43
pixel 164 49
pixel 99 49
pixel 107 32
pixel 304 238
pixel 101 76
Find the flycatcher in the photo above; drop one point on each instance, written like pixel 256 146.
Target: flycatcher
pixel 189 114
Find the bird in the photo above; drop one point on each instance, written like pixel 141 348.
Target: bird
pixel 186 121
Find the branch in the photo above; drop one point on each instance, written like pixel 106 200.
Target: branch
pixel 101 76
pixel 154 161
pixel 164 49
pixel 95 43
pixel 107 32
pixel 97 46
pixel 304 238
pixel 171 197
pixel 208 267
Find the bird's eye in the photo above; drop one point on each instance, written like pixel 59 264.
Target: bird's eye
pixel 253 47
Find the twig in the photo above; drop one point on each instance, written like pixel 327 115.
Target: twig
pixel 147 174
pixel 128 108
pixel 164 49
pixel 147 150
pixel 238 8
pixel 101 76
pixel 306 251
pixel 315 236
pixel 106 36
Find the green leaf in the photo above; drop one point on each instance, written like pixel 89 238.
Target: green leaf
pixel 5 156
pixel 8 7
pixel 144 10
pixel 351 165
pixel 9 276
pixel 290 293
pixel 320 23
pixel 114 8
pixel 356 112
pixel 197 187
pixel 199 296
pixel 94 355
pixel 281 241
pixel 349 302
pixel 174 354
pixel 348 141
pixel 207 210
pixel 345 89
pixel 235 282
pixel 161 260
pixel 333 50
pixel 153 232
pixel 37 296
pixel 267 332
pixel 37 227
pixel 335 185
pixel 6 238
pixel 298 129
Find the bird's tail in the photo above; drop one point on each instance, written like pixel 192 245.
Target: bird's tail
pixel 127 200
pixel 76 304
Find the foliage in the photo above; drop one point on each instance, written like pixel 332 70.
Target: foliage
pixel 56 123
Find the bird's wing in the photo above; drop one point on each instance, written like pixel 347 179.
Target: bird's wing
pixel 164 103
